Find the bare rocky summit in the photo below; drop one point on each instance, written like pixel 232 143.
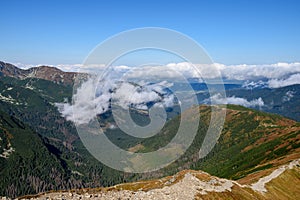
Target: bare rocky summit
pixel 42 72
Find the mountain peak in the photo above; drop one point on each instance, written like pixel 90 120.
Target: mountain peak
pixel 41 72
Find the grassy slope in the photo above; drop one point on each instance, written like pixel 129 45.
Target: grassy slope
pixel 249 139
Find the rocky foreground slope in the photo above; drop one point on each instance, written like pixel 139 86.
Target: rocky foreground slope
pixel 277 183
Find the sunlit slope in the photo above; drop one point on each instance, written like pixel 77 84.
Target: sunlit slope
pixel 278 183
pixel 250 140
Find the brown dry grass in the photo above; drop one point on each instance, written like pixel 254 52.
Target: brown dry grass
pixel 136 148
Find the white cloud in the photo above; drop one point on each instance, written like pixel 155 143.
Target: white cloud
pixel 254 84
pixel 85 105
pixel 94 97
pixel 288 96
pixel 23 66
pixel 237 72
pixel 257 74
pixel 291 80
pixel 127 94
pixel 272 75
pixel 218 99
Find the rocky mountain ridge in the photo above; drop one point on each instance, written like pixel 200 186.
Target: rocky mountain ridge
pixel 42 72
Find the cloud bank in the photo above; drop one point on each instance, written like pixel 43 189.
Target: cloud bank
pixel 95 97
pixel 268 75
pixel 218 99
pixel 272 75
pixel 291 80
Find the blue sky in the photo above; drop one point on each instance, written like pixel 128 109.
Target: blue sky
pixel 232 32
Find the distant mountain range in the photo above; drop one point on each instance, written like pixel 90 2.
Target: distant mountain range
pixel 41 151
pixel 284 101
